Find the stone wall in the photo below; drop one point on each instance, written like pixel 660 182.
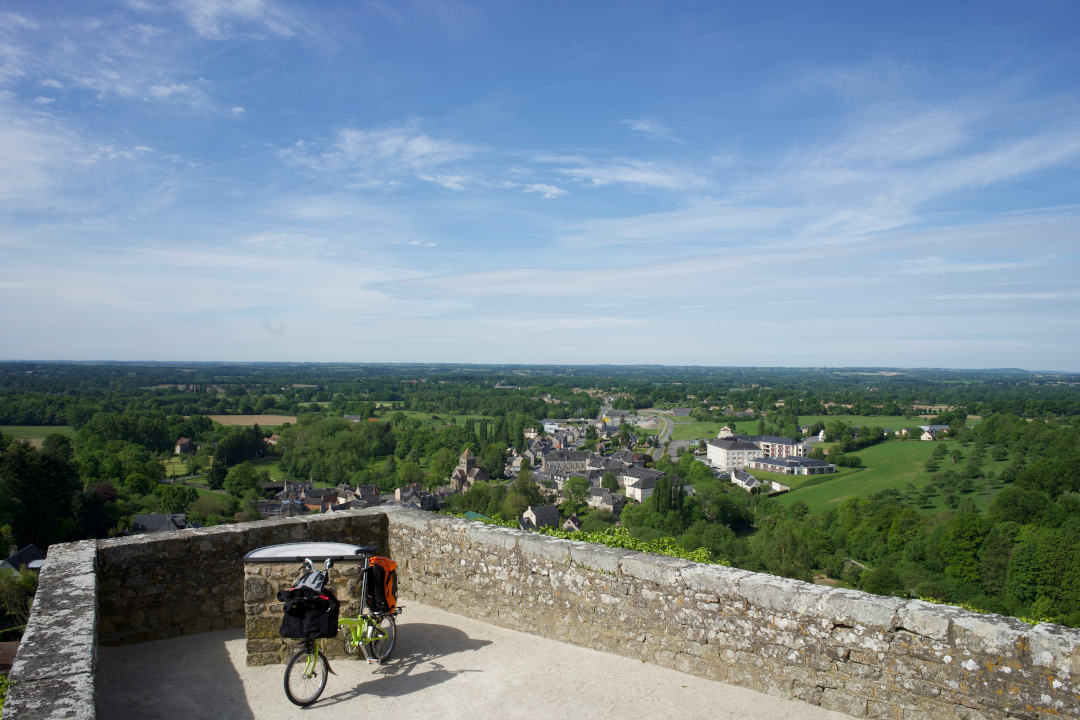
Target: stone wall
pixel 166 584
pixel 146 587
pixel 54 673
pixel 865 655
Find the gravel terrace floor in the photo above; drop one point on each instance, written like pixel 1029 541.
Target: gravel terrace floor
pixel 444 665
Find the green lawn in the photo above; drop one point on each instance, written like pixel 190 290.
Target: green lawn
pixel 892 464
pixel 689 429
pixel 174 467
pixel 444 417
pixel 889 422
pixel 270 465
pixel 35 432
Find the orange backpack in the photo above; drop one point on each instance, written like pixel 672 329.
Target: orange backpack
pixel 382 585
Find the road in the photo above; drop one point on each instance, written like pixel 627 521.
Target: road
pixel 667 427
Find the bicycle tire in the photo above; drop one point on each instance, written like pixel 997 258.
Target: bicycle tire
pixel 380 648
pixel 301 687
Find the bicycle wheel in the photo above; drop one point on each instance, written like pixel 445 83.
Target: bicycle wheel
pixel 305 677
pixel 380 634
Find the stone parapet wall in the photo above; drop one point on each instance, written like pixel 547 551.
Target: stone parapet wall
pixel 146 587
pixel 163 585
pixel 865 655
pixel 54 673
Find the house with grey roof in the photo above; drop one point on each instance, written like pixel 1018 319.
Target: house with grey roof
pixel 29 557
pixel 540 515
pixel 793 465
pixel 158 522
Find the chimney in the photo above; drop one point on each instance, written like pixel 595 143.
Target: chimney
pixel 12 549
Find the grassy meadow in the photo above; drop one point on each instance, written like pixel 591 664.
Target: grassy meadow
pixel 35 434
pixel 263 421
pixel 894 464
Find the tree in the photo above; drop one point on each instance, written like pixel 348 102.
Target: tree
pixel 576 491
pixel 243 478
pixel 882 581
pixel 215 478
pixel 408 474
pixel 176 498
pixel 608 481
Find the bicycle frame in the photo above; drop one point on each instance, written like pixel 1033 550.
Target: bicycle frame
pixel 313 648
pixel 363 631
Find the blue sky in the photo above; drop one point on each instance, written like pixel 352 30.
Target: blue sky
pixel 797 184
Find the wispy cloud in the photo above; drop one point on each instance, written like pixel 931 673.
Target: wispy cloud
pixel 548 191
pixel 651 128
pixel 222 19
pixel 935 265
pixel 636 172
pixel 1007 297
pixel 385 155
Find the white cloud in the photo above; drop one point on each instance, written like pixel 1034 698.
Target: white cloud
pixel 704 221
pixel 635 172
pixel 373 158
pixel 900 140
pixel 238 111
pixel 933 265
pixel 548 191
pixel 162 92
pixel 222 19
pixel 1008 297
pixel 41 100
pixel 651 128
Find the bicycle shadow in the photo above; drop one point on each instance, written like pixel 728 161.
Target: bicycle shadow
pixel 422 644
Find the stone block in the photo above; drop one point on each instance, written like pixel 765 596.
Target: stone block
pixel 71 696
pixel 492 535
pixel 776 593
pixel 1055 649
pixel 655 568
pixel 854 608
pixel 806 692
pixel 927 619
pixel 544 548
pixel 843 701
pixel 718 579
pixel 597 558
pixel 993 634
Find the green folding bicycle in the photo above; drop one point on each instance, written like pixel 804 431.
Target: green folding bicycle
pixel 372 633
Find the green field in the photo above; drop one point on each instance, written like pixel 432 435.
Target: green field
pixel 889 465
pixel 35 434
pixel 444 417
pixel 689 429
pixel 889 422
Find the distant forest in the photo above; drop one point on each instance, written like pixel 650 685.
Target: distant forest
pixel 1016 436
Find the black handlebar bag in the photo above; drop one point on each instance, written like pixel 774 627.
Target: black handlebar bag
pixel 309 613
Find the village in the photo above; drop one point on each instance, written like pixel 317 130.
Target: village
pixel 555 453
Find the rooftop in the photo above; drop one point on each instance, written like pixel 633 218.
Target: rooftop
pixel 444 665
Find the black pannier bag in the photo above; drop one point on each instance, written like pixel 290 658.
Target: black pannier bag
pixel 308 613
